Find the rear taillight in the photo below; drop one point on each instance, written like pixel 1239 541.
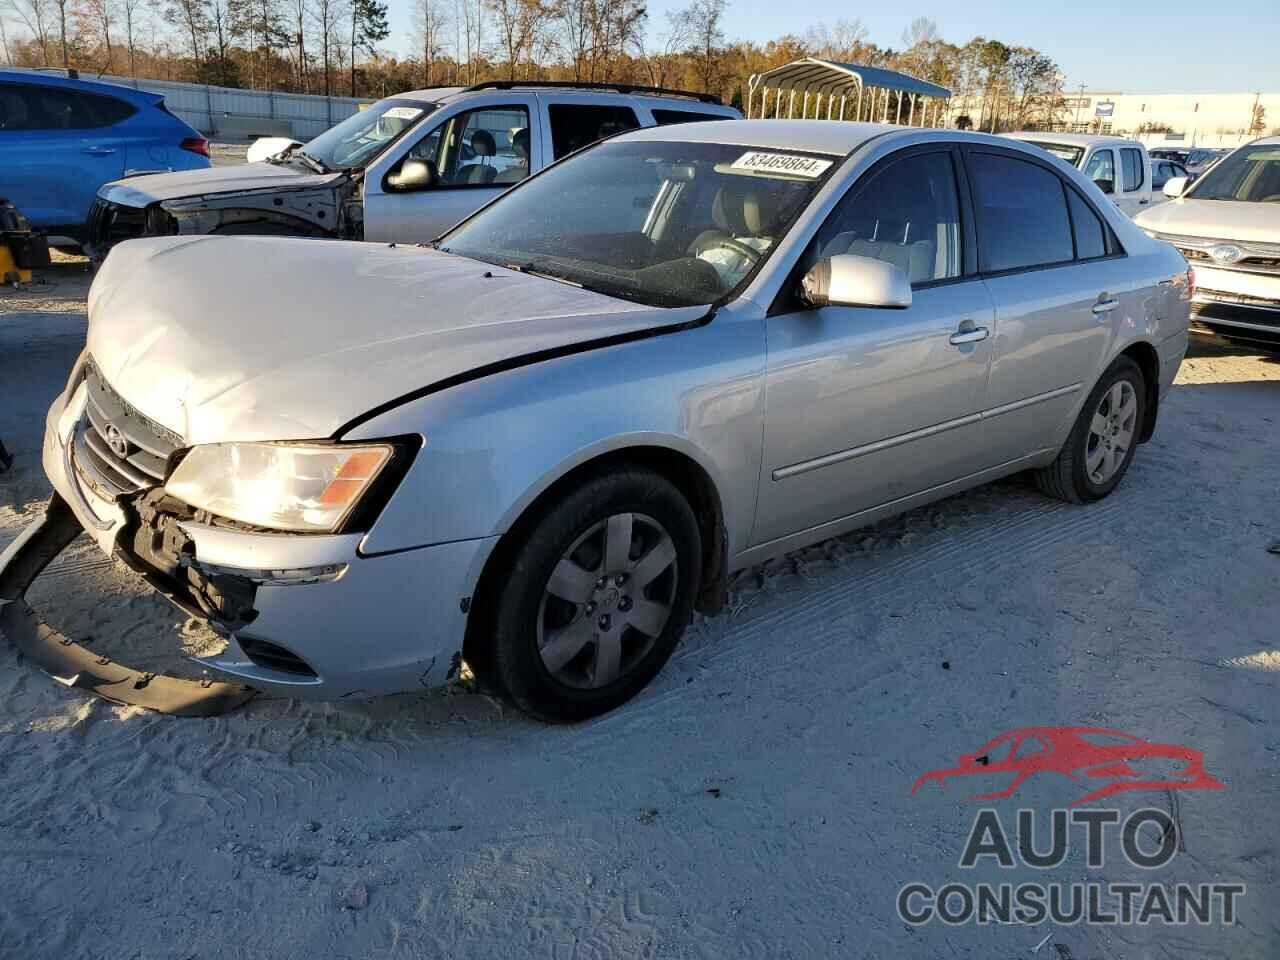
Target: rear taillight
pixel 196 145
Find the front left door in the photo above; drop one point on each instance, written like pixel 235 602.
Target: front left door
pixel 867 406
pixel 478 153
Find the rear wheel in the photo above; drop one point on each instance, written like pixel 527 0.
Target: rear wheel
pixel 1100 448
pixel 596 596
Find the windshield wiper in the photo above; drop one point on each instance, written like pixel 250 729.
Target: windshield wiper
pixel 532 271
pixel 316 165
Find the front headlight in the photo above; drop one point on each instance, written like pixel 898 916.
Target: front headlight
pixel 284 486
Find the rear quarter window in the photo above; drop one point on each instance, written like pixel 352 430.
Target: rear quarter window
pixel 1133 168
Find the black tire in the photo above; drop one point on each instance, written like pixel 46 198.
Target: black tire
pixel 1067 478
pixel 510 652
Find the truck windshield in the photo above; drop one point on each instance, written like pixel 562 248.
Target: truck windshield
pixel 1250 175
pixel 1062 151
pixel 362 136
pixel 665 224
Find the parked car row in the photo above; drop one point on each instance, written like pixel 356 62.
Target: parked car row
pixel 542 441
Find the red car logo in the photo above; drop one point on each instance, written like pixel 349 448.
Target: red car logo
pixel 1083 754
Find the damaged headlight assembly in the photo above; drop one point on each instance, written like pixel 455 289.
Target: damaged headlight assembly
pixel 291 487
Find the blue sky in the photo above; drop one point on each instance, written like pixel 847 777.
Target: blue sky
pixel 1186 46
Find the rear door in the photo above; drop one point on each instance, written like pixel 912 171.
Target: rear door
pixel 55 152
pixel 1058 280
pixel 480 150
pixel 1133 192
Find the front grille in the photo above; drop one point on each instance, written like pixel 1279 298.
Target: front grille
pixel 1258 257
pixel 117 450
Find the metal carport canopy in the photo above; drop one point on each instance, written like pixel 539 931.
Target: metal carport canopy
pixel 828 77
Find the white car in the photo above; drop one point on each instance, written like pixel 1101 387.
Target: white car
pixel 1227 225
pixel 404 170
pixel 1120 167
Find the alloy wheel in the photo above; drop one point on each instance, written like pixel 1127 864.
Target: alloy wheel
pixel 607 601
pixel 1111 432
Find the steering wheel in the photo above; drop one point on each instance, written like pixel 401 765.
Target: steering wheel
pixel 737 246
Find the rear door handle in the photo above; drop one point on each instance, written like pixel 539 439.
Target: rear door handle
pixel 1105 306
pixel 971 335
pixel 99 151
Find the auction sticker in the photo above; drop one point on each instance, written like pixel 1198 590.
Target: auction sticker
pixel 787 164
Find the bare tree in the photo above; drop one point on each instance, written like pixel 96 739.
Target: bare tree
pixel 327 13
pixel 191 19
pixel 662 59
pixel 517 22
pixel 36 16
pixel 99 14
pixel 707 40
pixel 131 13
pixel 61 6
pixel 470 21
pixel 431 24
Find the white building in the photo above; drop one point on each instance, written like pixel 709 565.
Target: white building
pixel 1192 119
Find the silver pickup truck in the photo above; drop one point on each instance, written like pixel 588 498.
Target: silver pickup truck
pixel 405 169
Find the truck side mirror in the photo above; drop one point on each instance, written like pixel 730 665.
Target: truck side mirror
pixel 413 175
pixel 1174 186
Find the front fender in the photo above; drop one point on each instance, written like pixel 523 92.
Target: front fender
pixel 493 445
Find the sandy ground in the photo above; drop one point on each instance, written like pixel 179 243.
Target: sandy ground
pixel 753 802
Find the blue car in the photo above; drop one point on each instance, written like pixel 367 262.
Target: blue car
pixel 61 138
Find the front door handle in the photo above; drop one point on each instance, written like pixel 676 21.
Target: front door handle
pixel 969 335
pixel 99 151
pixel 1103 307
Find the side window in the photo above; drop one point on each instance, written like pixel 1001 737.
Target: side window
pixel 479 148
pixel 1101 169
pixel 15 108
pixel 1131 161
pixel 666 117
pixel 574 127
pixel 1021 214
pixel 1177 171
pixel 107 111
pixel 1160 172
pixel 908 214
pixel 1027 747
pixel 58 109
pixel 1091 235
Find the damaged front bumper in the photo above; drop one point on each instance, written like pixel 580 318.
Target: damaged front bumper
pixel 305 616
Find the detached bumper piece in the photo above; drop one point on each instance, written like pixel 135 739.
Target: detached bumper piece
pixel 73 665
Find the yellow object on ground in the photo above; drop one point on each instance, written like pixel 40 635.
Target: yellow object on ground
pixel 10 272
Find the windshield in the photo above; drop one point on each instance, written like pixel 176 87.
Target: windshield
pixel 1062 151
pixel 365 134
pixel 1250 175
pixel 665 224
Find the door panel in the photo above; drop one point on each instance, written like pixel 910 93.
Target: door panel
pixel 479 153
pixel 852 395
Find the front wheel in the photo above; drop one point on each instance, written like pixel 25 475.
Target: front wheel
pixel 1100 448
pixel 596 596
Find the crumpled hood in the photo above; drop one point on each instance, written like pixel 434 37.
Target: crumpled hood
pixel 1214 219
pixel 153 187
pixel 273 338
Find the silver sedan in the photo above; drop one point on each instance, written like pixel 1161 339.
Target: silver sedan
pixel 542 442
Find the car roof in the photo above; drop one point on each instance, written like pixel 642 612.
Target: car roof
pixel 445 94
pixel 25 75
pixel 1070 139
pixel 814 136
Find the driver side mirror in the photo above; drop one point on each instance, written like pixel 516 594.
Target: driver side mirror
pixel 413 175
pixel 1174 187
pixel 1106 186
pixel 846 280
